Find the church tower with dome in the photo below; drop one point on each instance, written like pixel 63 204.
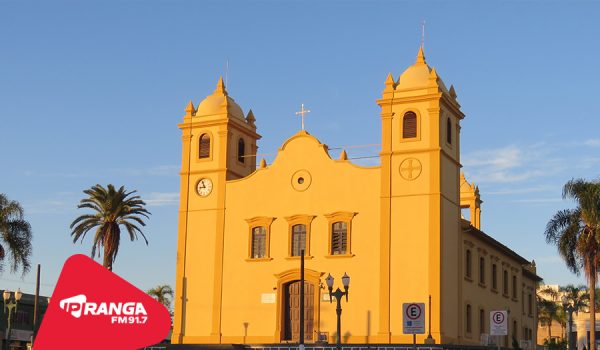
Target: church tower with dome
pixel 396 229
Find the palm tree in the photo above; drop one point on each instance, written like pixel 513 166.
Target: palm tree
pixel 111 210
pixel 576 296
pixel 15 236
pixel 562 319
pixel 162 293
pixel 548 310
pixel 547 313
pixel 575 232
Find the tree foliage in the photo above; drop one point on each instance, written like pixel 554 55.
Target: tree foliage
pixel 111 210
pixel 15 236
pixel 163 294
pixel 576 234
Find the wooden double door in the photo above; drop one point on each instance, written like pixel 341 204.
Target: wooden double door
pixel 291 314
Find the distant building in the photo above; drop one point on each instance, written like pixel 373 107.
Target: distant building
pixel 581 329
pixel 22 320
pixel 559 330
pixel 395 229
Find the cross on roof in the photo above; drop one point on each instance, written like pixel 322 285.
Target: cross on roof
pixel 423 34
pixel 302 113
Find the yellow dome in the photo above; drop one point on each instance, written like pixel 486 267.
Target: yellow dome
pixel 419 75
pixel 219 103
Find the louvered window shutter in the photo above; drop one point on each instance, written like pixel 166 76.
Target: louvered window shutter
pixel 339 238
pixel 204 150
pixel 409 125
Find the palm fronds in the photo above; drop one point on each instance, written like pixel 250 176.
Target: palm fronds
pixel 15 236
pixel 111 209
pixel 576 234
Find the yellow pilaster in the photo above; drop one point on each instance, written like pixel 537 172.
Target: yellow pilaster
pixel 219 239
pixel 178 319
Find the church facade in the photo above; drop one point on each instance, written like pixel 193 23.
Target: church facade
pixel 396 229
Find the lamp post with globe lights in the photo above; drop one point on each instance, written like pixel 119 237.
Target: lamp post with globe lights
pixel 10 305
pixel 338 294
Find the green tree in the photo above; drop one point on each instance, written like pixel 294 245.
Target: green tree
pixel 575 232
pixel 111 209
pixel 576 296
pixel 547 313
pixel 163 294
pixel 562 319
pixel 15 236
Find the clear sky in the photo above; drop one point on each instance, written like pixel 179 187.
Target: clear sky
pixel 91 92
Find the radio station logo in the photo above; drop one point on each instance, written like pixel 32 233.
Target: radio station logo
pixel 121 317
pixel 122 313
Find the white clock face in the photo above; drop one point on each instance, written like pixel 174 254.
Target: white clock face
pixel 204 187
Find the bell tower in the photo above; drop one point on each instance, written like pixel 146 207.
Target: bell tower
pixel 219 144
pixel 420 199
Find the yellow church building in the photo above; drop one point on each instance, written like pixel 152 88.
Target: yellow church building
pixel 396 229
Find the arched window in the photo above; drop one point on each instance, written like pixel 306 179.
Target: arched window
pixel 241 155
pixel 259 242
pixel 339 238
pixel 494 277
pixel 259 237
pixel 298 239
pixel 468 318
pixel 448 131
pixel 505 282
pixel 468 263
pixel 409 125
pixel 204 146
pixel 482 270
pixel 481 321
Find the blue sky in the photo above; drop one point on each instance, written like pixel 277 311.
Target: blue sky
pixel 91 92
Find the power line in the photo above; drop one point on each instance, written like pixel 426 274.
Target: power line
pixel 26 282
pixel 365 157
pixel 357 146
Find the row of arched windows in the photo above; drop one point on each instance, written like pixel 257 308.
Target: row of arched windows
pixel 409 127
pixel 513 281
pixel 204 148
pixel 299 240
pixel 526 331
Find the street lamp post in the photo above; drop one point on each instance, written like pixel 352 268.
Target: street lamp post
pixel 11 306
pixel 569 309
pixel 338 294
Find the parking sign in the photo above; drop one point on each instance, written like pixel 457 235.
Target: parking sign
pixel 498 323
pixel 413 316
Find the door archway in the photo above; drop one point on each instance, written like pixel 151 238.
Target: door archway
pixel 288 305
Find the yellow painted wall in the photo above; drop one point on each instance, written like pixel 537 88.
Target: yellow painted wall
pixel 484 296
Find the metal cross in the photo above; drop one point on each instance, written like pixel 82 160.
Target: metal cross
pixel 423 34
pixel 302 113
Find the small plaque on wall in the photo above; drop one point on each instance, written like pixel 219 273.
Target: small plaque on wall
pixel 268 298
